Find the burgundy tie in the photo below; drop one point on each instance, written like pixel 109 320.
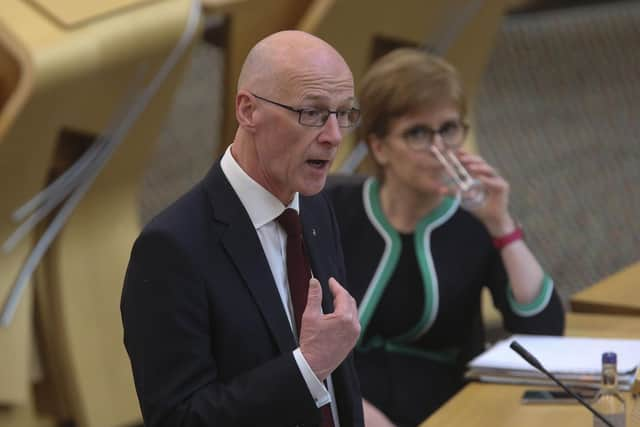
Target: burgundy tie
pixel 299 273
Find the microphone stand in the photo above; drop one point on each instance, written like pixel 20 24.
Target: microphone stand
pixel 515 346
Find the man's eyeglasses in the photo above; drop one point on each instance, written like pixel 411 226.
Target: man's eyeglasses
pixel 421 137
pixel 316 117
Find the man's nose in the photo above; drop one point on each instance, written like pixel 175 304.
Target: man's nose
pixel 331 131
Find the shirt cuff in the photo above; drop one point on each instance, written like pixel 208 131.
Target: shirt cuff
pixel 317 389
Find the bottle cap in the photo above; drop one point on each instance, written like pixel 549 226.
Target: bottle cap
pixel 609 357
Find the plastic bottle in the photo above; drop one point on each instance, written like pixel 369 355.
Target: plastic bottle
pixel 609 402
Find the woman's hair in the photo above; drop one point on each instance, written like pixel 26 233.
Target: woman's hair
pixel 405 81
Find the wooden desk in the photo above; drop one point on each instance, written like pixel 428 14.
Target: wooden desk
pixel 498 405
pixel 617 294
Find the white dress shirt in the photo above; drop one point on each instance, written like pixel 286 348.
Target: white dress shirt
pixel 263 209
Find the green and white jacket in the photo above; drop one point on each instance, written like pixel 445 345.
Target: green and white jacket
pixel 432 310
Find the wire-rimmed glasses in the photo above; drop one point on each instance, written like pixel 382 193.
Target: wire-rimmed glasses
pixel 317 117
pixel 452 134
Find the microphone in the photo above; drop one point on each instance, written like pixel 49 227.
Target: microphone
pixel 515 346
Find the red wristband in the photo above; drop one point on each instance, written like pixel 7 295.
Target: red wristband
pixel 502 241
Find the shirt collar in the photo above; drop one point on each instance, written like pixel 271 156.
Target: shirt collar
pixel 262 206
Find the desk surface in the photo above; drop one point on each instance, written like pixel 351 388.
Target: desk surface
pixel 617 294
pixel 499 405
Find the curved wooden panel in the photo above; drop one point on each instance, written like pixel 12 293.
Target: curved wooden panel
pixel 82 77
pixel 71 13
pixel 16 78
pixel 17 182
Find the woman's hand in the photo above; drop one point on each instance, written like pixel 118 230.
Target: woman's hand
pixel 494 212
pixel 523 269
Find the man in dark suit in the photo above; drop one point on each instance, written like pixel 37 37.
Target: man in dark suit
pixel 215 334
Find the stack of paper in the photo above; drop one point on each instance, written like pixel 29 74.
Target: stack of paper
pixel 575 361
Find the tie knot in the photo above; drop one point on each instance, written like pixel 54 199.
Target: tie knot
pixel 290 221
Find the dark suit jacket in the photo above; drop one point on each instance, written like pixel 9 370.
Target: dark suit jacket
pixel 205 329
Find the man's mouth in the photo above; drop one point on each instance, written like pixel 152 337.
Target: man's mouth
pixel 317 163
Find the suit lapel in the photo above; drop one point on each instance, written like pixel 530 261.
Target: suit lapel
pixel 320 244
pixel 317 240
pixel 242 244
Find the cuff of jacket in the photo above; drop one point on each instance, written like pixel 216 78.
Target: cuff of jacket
pixel 535 306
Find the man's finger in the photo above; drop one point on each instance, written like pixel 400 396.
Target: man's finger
pixel 314 297
pixel 342 299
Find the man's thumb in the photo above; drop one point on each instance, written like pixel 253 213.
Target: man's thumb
pixel 314 298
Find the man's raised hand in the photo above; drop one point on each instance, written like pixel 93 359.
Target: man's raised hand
pixel 326 339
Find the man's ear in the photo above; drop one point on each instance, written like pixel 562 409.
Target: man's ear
pixel 378 149
pixel 246 111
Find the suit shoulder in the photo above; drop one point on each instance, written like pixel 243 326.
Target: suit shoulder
pixel 343 189
pixel 184 217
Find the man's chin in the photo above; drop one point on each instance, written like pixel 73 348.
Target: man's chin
pixel 313 187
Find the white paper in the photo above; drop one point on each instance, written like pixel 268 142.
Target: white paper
pixel 560 354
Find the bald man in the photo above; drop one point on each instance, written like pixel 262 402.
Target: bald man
pixel 217 333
